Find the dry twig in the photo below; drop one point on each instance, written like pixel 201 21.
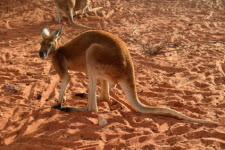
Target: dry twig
pixel 135 29
pixel 12 88
pixel 214 42
pixel 157 49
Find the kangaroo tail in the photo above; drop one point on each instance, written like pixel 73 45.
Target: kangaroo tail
pixel 78 25
pixel 81 26
pixel 131 94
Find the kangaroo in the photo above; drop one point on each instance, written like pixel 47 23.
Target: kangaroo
pixel 83 5
pixel 101 55
pixel 70 6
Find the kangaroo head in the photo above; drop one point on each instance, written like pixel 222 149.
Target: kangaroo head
pixel 49 42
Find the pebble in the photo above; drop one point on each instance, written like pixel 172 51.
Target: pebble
pixel 102 121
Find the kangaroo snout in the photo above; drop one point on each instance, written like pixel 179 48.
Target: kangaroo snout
pixel 43 54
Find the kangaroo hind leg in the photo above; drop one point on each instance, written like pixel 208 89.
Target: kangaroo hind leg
pixel 92 101
pixel 94 71
pixel 104 95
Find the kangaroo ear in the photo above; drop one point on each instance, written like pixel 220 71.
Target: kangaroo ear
pixel 45 32
pixel 57 33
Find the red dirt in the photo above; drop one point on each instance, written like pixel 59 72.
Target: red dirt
pixel 190 81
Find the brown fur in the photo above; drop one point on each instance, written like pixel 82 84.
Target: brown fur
pixel 101 55
pixel 82 5
pixel 70 6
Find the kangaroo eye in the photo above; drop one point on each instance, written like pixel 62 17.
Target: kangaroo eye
pixel 50 45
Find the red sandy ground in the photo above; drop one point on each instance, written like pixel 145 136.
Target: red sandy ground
pixel 190 81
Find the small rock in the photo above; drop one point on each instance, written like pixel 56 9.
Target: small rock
pixel 148 120
pixel 102 121
pixel 38 96
pixel 28 74
pixel 138 113
pixel 12 88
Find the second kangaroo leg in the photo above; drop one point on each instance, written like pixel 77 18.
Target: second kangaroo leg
pixel 69 14
pixel 74 13
pixel 104 95
pixel 83 9
pixel 89 8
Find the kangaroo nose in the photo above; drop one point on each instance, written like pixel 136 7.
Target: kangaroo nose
pixel 42 54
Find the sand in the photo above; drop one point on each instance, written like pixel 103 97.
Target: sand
pixel 191 80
